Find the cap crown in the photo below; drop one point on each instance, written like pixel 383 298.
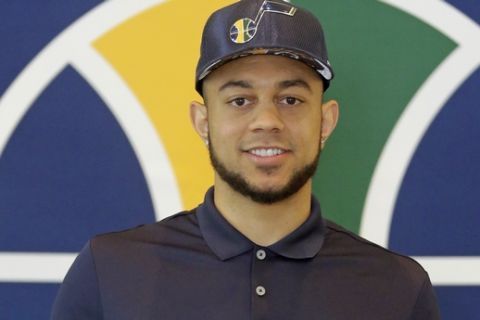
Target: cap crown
pixel 262 27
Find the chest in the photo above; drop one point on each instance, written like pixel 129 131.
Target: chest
pixel 249 288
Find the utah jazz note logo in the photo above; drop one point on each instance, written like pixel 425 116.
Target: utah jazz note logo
pixel 244 30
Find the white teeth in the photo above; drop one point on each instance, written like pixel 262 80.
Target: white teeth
pixel 266 152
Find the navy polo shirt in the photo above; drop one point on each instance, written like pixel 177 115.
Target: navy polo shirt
pixel 195 265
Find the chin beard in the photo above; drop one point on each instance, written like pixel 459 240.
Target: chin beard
pixel 240 184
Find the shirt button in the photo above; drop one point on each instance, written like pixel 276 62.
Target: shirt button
pixel 261 254
pixel 260 291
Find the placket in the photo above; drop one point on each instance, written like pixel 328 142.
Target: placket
pixel 259 286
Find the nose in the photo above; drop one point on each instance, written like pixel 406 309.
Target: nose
pixel 267 117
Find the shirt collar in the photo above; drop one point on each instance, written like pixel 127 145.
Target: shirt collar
pixel 227 242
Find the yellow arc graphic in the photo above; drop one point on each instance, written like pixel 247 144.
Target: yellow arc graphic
pixel 156 53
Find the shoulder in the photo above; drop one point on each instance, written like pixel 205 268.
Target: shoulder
pixel 344 243
pixel 179 227
pixel 396 280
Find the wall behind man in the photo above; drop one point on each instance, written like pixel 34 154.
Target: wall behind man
pixel 95 136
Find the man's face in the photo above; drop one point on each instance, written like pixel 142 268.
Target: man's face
pixel 264 123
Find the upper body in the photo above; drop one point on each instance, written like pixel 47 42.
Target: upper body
pixel 195 265
pixel 265 122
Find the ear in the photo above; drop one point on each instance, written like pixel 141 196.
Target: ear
pixel 199 118
pixel 330 114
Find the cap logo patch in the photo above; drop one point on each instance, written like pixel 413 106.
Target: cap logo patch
pixel 244 29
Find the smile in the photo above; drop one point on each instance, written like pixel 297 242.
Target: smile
pixel 266 152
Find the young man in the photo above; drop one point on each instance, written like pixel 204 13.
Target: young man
pixel 258 247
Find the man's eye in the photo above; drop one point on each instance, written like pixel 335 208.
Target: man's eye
pixel 238 102
pixel 291 101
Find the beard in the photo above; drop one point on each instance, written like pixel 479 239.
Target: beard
pixel 269 196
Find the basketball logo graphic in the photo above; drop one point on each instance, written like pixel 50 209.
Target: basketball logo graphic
pixel 243 30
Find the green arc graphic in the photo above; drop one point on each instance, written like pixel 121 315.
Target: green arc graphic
pixel 381 56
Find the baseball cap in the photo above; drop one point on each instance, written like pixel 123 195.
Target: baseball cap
pixel 273 27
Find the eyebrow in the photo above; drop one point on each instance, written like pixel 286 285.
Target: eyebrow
pixel 233 84
pixel 294 83
pixel 282 85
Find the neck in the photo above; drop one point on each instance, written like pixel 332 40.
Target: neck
pixel 263 224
